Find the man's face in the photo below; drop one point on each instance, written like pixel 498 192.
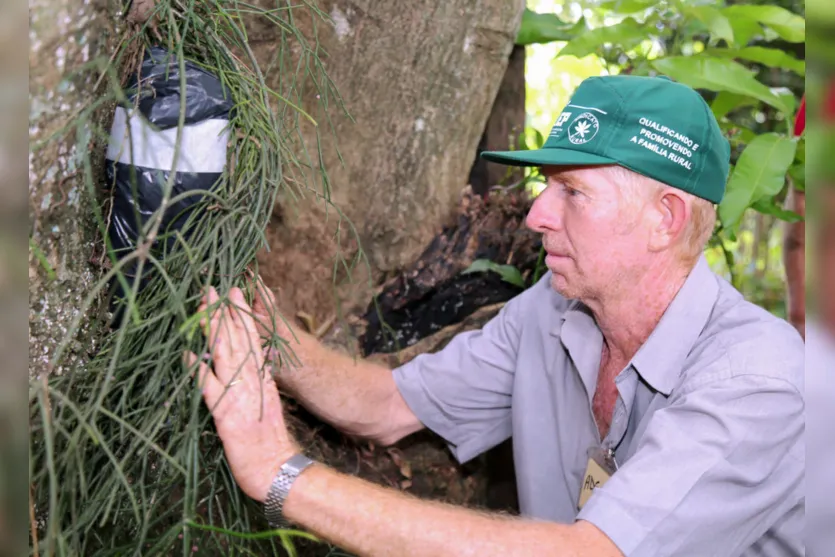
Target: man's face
pixel 593 236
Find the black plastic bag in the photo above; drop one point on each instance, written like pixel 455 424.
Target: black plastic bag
pixel 141 151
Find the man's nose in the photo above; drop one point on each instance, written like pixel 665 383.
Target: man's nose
pixel 544 213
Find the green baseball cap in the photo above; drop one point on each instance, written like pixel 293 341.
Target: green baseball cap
pixel 650 125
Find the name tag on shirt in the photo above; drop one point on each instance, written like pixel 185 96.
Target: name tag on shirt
pixel 599 469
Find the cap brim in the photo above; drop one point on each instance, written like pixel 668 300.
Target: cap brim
pixel 543 157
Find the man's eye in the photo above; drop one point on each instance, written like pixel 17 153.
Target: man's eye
pixel 569 190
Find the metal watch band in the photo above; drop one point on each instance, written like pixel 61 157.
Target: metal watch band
pixel 283 481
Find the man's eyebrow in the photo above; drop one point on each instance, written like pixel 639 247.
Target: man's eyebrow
pixel 569 180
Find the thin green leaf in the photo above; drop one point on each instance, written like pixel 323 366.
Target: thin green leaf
pixel 760 172
pixel 41 257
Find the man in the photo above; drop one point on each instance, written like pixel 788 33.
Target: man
pixel 653 410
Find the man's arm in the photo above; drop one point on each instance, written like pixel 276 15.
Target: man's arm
pixel 367 519
pixel 357 397
pixel 354 514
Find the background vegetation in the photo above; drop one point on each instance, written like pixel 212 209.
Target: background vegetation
pixel 747 59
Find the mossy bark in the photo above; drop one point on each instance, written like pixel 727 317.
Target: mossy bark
pixel 64 247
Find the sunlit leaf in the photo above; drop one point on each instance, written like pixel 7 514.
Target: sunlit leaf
pixel 545 28
pixel 627 7
pixel 627 35
pixel 718 74
pixel 760 172
pixel 791 27
pixel 744 28
pixel 771 57
pixel 716 22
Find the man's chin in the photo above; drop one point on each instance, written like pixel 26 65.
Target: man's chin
pixel 561 286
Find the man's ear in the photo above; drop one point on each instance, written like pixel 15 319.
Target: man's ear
pixel 673 212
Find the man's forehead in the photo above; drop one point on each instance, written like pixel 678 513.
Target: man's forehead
pixel 586 175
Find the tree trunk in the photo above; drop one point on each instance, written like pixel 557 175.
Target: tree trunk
pixel 504 127
pixel 794 261
pixel 418 80
pixel 63 241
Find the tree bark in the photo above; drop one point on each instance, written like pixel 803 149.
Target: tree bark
pixel 418 80
pixel 63 239
pixel 794 261
pixel 504 127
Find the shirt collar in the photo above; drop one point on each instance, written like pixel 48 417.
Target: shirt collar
pixel 661 357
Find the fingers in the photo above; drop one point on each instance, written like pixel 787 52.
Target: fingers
pixel 214 317
pixel 243 313
pixel 264 306
pixel 264 296
pixel 206 380
pixel 233 336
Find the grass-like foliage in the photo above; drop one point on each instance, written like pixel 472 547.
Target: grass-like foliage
pixel 123 455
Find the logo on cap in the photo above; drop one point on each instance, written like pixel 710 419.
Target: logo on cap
pixel 583 129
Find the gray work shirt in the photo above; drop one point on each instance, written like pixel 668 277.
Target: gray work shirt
pixel 707 429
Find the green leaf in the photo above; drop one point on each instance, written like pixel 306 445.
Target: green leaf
pixel 718 74
pixel 771 57
pixel 760 172
pixel 797 172
pixel 821 11
pixel 509 273
pixel 716 22
pixel 627 34
pixel 767 206
pixel 725 102
pixel 627 7
pixel 791 27
pixel 545 28
pixel 744 28
pixel 801 150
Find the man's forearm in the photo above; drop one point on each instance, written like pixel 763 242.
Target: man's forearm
pixel 367 519
pixel 351 394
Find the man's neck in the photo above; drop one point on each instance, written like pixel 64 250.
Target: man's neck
pixel 628 316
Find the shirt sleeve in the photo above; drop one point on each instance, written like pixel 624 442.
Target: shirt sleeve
pixel 714 471
pixel 463 392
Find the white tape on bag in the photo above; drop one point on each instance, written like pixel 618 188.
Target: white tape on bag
pixel 202 145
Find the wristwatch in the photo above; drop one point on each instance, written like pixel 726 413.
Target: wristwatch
pixel 283 481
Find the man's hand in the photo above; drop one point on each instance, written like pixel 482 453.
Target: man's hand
pixel 268 323
pixel 267 320
pixel 242 396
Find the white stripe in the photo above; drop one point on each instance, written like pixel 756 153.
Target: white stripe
pixel 202 145
pixel 588 108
